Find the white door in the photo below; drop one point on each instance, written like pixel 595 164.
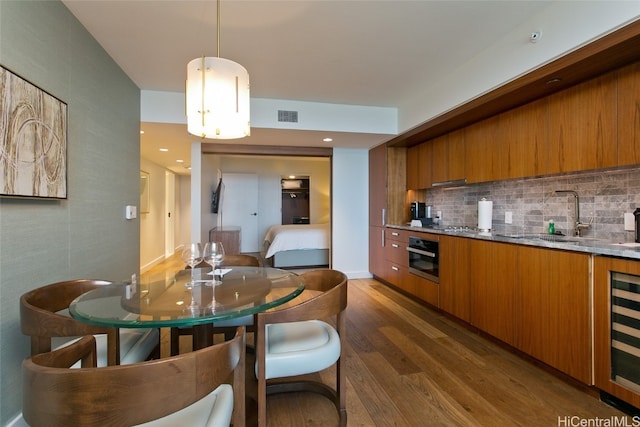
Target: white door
pixel 169 220
pixel 239 203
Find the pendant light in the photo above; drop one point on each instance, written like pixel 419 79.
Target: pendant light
pixel 217 96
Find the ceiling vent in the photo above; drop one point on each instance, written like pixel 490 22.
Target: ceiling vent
pixel 288 116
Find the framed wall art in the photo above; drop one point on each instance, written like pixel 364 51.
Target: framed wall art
pixel 33 140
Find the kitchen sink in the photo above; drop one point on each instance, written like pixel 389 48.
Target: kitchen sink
pixel 548 237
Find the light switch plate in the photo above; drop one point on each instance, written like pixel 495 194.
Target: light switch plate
pixel 131 212
pixel 508 217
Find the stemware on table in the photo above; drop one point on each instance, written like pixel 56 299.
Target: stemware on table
pixel 213 254
pixel 192 256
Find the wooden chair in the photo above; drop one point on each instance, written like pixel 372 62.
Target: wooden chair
pixel 190 389
pixel 228 326
pixel 297 341
pixel 44 318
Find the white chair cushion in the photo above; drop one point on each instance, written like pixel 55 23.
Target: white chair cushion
pixel 298 348
pixel 136 344
pixel 213 410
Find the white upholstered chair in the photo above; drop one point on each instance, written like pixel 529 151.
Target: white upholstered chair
pixel 302 339
pixel 45 318
pixel 196 389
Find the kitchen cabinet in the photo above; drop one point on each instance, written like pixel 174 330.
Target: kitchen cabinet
pixel 377 259
pixel 377 208
pixel 424 165
pixel 377 186
pixel 482 155
pixel 603 298
pixel 397 260
pixel 448 157
pixel 523 140
pixel 582 126
pixel 455 295
pixel 552 315
pixel 629 115
pixel 413 163
pixel 492 283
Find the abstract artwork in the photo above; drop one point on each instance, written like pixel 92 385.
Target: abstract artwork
pixel 33 140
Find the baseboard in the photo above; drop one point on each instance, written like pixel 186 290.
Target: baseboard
pixel 18 421
pixel 148 266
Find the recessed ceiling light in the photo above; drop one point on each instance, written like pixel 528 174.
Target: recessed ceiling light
pixel 164 149
pixel 328 139
pixel 180 161
pixel 141 132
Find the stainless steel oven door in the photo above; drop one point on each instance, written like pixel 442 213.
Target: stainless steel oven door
pixel 424 263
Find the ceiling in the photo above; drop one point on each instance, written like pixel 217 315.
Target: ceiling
pixel 367 53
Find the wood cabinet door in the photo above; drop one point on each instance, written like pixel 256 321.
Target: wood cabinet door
pixel 413 163
pixel 482 155
pixel 629 115
pixel 523 138
pixel 424 165
pixel 454 276
pixel 553 320
pixel 377 258
pixel 377 185
pixel 582 126
pixel 440 159
pixel 492 270
pixel 456 155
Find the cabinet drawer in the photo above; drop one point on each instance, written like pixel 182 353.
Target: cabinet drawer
pixel 396 235
pixel 396 252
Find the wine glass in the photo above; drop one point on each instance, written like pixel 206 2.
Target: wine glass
pixel 192 256
pixel 213 254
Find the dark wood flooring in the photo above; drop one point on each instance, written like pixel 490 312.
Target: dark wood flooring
pixel 408 365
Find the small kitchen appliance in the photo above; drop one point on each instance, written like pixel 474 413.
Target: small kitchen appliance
pixel 636 214
pixel 418 210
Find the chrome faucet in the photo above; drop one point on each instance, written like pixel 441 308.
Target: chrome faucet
pixel 578 226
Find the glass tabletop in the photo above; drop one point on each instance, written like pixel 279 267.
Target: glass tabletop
pixel 170 300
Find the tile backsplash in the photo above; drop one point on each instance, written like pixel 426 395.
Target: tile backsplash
pixel 604 198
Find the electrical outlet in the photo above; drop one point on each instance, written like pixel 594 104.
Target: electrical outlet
pixel 508 217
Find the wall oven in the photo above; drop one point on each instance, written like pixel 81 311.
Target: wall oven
pixel 424 258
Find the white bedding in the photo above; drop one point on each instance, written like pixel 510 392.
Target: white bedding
pixel 296 236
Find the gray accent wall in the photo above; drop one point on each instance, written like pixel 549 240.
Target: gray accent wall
pixel 85 236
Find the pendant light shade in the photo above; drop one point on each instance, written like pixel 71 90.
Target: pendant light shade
pixel 218 102
pixel 217 94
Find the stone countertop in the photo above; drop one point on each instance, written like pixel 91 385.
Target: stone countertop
pixel 568 243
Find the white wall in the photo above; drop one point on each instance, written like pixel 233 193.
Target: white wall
pixel 350 192
pixel 564 26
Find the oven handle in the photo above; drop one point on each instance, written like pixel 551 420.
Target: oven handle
pixel 418 251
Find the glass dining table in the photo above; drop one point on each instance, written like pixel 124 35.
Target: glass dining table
pixel 182 300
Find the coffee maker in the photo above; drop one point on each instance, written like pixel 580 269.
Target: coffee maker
pixel 636 214
pixel 418 210
pixel 421 212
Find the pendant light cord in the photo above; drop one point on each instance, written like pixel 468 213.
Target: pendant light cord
pixel 218 28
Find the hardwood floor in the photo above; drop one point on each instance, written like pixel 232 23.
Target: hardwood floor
pixel 408 365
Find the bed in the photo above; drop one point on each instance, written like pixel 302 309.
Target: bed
pixel 297 245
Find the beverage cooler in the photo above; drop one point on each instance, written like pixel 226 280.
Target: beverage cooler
pixel 616 304
pixel 625 330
